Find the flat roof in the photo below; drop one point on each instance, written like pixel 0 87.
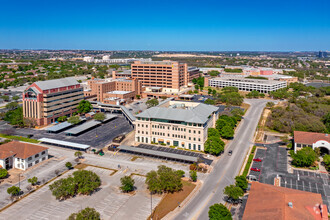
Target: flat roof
pixel 64 143
pixel 109 117
pixel 59 127
pixel 83 127
pixel 118 92
pixel 158 153
pixel 247 80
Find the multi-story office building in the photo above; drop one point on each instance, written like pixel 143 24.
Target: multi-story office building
pixel 171 76
pixel 45 101
pixel 113 91
pixel 245 84
pixel 177 123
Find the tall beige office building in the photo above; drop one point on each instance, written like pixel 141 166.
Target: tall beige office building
pixel 45 101
pixel 171 76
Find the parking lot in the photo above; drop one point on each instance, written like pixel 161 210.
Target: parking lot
pixel 109 201
pixel 274 162
pixel 97 137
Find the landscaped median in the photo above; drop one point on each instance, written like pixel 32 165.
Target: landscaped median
pixel 172 200
pixel 19 138
pixel 248 163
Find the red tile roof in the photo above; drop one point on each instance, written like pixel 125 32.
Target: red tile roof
pixel 20 149
pixel 272 202
pixel 5 154
pixel 302 137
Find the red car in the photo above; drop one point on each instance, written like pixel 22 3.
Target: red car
pixel 257 160
pixel 255 169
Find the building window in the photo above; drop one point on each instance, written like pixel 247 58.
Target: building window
pixel 37 161
pixel 199 139
pixel 194 132
pixel 43 153
pixel 189 146
pixel 37 155
pixel 199 132
pixel 194 146
pixel 30 165
pixel 44 158
pixel 199 147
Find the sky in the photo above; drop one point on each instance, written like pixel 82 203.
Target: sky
pixel 170 25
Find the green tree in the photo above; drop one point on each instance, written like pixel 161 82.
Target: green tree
pixel 152 102
pixel 304 157
pixel 15 117
pixel 78 154
pixel 3 173
pixel 84 107
pixel 85 214
pixel 100 116
pixel 62 118
pixel 326 161
pixel 5 98
pixel 33 180
pixel 227 132
pixel 68 165
pixel 193 175
pixel 214 145
pixel 212 132
pixel 165 179
pixel 270 104
pixel 213 73
pixel 219 212
pixel 15 98
pixel 138 96
pixel 326 121
pixel 13 190
pixel 241 182
pixel 209 102
pixel 12 105
pixel 74 120
pixel 233 192
pixel 127 184
pixel 83 182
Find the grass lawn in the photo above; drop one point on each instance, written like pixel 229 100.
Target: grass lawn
pixel 34 141
pixel 171 200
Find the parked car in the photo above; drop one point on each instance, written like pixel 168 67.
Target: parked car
pixel 230 152
pixel 255 169
pixel 257 160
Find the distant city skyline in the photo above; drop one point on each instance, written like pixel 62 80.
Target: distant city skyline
pixel 167 26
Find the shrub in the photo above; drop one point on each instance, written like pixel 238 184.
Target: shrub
pixel 13 190
pixel 3 173
pixel 233 192
pixel 68 165
pixel 193 175
pixel 33 180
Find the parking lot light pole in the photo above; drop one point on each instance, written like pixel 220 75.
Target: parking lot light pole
pixel 151 204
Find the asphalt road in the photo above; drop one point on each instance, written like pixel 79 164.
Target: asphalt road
pixel 227 167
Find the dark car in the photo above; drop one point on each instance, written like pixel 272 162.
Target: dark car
pixel 255 169
pixel 230 152
pixel 257 160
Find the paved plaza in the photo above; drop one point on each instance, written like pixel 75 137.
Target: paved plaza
pixel 109 201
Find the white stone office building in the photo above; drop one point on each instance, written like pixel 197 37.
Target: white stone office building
pixel 176 123
pixel 246 84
